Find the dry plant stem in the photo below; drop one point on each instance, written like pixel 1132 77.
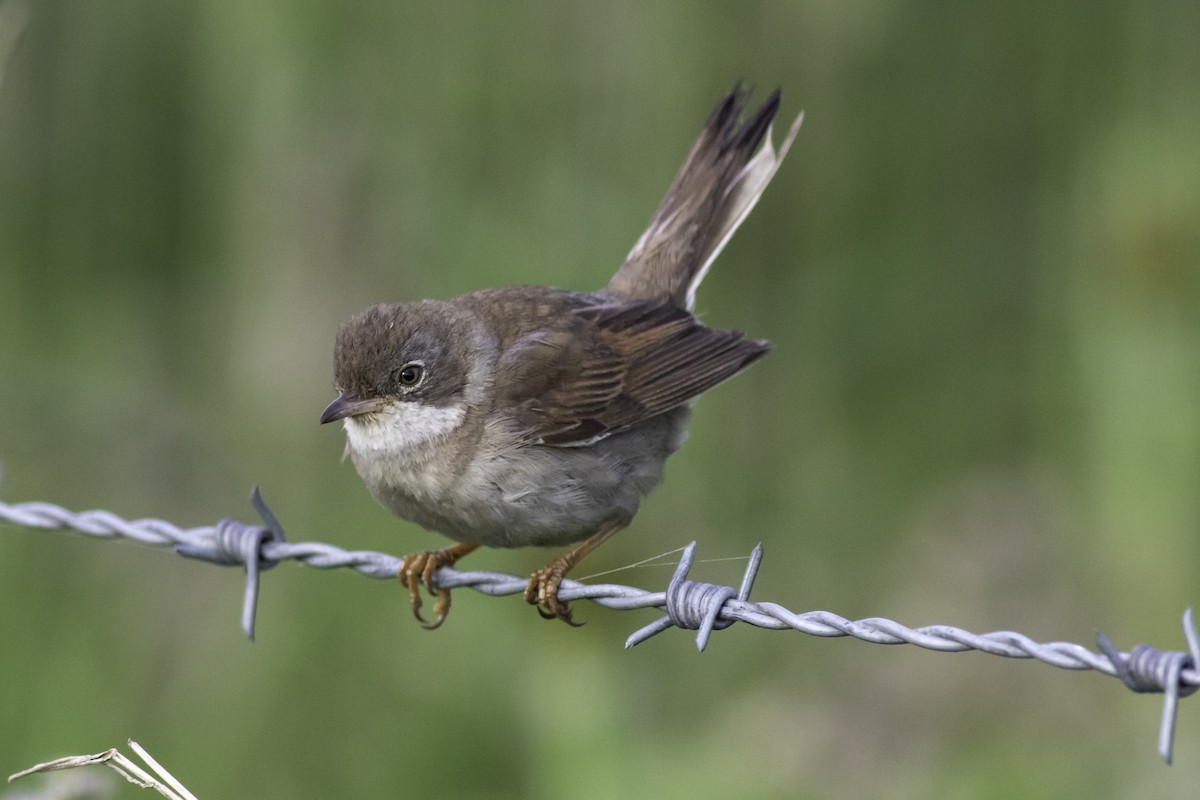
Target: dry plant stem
pixel 166 784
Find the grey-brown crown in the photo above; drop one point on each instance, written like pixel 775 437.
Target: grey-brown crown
pixel 374 345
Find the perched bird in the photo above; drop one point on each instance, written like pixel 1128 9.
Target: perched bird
pixel 538 416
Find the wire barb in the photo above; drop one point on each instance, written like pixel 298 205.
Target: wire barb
pixel 1149 670
pixel 235 542
pixel 698 606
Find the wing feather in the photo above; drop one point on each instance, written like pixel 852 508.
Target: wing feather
pixel 622 363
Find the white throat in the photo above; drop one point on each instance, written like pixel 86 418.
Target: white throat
pixel 401 426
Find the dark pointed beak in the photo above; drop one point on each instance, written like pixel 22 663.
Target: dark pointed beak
pixel 346 405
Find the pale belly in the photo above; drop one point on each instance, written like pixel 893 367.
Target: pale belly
pixel 528 495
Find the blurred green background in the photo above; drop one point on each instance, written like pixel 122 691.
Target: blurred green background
pixel 979 268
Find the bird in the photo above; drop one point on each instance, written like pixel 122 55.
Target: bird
pixel 538 416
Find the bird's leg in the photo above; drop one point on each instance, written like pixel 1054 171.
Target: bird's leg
pixel 542 590
pixel 418 568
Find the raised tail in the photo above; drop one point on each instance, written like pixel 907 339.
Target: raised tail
pixel 726 171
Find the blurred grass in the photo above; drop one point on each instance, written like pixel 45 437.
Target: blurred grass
pixel 979 270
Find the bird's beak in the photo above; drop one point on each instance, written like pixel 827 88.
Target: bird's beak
pixel 347 405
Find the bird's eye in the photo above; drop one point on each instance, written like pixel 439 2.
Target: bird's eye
pixel 409 375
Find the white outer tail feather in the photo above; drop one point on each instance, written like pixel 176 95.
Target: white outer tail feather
pixel 749 186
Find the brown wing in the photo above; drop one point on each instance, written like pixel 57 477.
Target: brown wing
pixel 615 365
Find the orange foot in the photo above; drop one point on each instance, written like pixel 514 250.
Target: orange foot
pixel 418 568
pixel 542 590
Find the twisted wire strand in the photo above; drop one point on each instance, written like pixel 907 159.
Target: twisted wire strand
pixel 691 605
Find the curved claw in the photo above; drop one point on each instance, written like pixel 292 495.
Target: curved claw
pixel 562 612
pixel 417 569
pixel 542 592
pixel 412 582
pixel 441 609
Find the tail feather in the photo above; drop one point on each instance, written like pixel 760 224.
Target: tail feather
pixel 722 178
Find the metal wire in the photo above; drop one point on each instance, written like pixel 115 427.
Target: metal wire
pixel 703 607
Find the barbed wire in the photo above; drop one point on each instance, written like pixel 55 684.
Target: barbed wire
pixel 691 605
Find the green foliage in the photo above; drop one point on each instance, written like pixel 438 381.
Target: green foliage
pixel 979 268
